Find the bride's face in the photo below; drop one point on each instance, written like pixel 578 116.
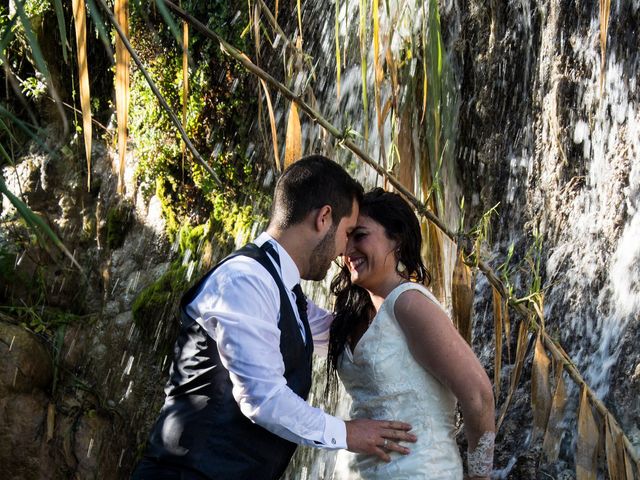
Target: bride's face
pixel 370 254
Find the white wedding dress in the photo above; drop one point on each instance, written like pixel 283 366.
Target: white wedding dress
pixel 385 382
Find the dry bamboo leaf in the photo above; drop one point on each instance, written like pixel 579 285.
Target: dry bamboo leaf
pixel 80 20
pixel 553 435
pixel 407 168
pixel 185 82
pixel 277 8
pixel 51 418
pixel 362 33
pixel 521 350
pixel 462 298
pixel 588 439
pixel 605 9
pixel 538 306
pixel 293 143
pixel 378 77
pixel 121 10
pixel 628 463
pixel 497 335
pixel 387 108
pixel 337 34
pixel 432 253
pixel 299 23
pixel 425 87
pixel 507 329
pixel 256 31
pixel 272 121
pixel 615 457
pixel 540 391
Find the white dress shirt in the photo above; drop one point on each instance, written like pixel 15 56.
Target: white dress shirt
pixel 239 307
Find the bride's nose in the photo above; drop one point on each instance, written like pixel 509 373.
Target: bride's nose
pixel 350 249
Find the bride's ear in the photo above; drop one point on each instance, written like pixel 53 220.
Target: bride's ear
pixel 323 219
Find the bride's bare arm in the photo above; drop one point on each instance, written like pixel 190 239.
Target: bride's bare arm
pixel 439 349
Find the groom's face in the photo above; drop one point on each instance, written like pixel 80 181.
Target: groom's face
pixel 332 245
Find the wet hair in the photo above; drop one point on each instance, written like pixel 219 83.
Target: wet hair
pixel 309 184
pixel 353 304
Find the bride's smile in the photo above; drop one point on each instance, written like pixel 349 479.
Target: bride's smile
pixel 370 254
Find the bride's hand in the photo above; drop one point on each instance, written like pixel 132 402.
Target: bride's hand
pixel 378 437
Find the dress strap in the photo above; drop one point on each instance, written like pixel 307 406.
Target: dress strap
pixel 403 287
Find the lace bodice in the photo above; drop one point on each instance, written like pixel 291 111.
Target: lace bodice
pixel 385 382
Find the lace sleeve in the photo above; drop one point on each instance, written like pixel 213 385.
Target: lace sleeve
pixel 480 460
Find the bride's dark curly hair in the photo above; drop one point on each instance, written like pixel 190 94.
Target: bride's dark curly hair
pixel 353 305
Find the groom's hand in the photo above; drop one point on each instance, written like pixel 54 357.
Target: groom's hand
pixel 378 437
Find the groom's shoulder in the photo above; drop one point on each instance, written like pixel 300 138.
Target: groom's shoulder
pixel 242 267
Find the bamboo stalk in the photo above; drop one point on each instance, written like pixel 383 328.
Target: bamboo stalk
pixel 528 313
pixel 156 92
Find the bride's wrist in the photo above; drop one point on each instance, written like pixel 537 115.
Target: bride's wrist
pixel 480 459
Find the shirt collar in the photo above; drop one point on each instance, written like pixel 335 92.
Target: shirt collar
pixel 288 268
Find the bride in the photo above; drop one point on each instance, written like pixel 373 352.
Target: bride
pixel 399 356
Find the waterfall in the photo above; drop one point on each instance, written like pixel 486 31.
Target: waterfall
pixel 527 126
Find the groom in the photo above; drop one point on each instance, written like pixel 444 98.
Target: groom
pixel 235 404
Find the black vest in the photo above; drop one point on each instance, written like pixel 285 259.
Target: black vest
pixel 200 426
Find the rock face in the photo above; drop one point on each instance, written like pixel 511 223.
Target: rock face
pixel 26 374
pixel 551 133
pixel 74 426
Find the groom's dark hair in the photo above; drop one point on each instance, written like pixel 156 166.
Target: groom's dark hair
pixel 311 183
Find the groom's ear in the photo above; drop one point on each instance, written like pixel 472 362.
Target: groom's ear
pixel 323 219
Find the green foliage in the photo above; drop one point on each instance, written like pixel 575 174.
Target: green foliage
pixel 218 106
pixel 35 8
pixel 119 220
pixel 40 319
pixel 481 233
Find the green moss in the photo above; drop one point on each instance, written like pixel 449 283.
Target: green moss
pixel 119 219
pixel 157 301
pixel 168 210
pixel 191 238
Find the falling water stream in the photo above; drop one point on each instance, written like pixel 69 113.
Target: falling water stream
pixel 571 172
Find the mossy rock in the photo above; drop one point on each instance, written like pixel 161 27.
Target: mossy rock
pixel 119 220
pixel 192 238
pixel 157 302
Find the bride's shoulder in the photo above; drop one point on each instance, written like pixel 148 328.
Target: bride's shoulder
pixel 412 290
pixel 414 300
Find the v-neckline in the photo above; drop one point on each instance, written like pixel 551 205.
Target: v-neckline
pixel 351 352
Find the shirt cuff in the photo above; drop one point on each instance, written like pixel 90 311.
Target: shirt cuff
pixel 335 433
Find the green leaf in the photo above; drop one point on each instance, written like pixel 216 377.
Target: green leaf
pixel 96 18
pixel 61 28
pixel 31 38
pixel 173 26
